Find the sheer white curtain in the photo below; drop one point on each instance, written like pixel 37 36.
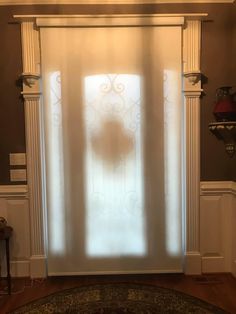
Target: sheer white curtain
pixel 112 108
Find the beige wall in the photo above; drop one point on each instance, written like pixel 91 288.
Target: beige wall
pixel 218 65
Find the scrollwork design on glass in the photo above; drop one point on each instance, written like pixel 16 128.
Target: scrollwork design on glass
pixel 114 165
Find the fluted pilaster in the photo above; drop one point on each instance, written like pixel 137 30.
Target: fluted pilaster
pixel 30 54
pixel 32 113
pixel 192 92
pixel 32 103
pixel 193 172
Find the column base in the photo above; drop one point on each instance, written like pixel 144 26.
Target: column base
pixel 38 268
pixel 193 263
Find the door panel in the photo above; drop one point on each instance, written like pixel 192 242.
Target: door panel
pixel 112 108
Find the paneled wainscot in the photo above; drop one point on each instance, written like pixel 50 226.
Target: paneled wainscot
pixel 217 227
pixel 14 208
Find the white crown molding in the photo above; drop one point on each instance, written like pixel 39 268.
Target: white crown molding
pixel 217 187
pixel 88 18
pixel 35 2
pixel 13 191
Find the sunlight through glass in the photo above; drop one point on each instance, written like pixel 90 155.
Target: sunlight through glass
pixel 172 140
pixel 115 221
pixel 56 176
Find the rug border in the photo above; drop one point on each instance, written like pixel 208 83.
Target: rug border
pixel 125 284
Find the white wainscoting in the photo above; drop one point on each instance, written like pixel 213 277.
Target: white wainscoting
pixel 234 235
pixel 217 226
pixel 14 208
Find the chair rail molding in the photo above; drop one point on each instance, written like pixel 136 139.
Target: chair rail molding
pixel 11 191
pixel 30 29
pixel 218 187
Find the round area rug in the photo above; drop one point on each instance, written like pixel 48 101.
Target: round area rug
pixel 118 299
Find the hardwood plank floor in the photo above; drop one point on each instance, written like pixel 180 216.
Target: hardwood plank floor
pixel 218 289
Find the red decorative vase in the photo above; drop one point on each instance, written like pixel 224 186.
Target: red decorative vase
pixel 225 107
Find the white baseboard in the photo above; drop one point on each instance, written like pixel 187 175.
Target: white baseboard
pixel 35 267
pixel 20 268
pixel 213 264
pixel 17 268
pixel 192 263
pixel 38 267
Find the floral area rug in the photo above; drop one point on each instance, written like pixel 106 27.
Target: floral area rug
pixel 118 299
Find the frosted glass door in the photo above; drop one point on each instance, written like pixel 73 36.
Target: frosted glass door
pixel 112 117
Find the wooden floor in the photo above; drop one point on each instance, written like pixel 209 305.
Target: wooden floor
pixel 218 289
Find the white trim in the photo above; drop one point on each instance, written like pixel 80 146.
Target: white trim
pixel 33 2
pixel 213 264
pixel 217 187
pixel 34 137
pixel 7 191
pixel 112 20
pixel 52 20
pixel 192 92
pixel 20 268
pixel 17 268
pixel 32 106
pixel 218 207
pixel 38 267
pixel 100 273
pixel 192 263
pixel 31 17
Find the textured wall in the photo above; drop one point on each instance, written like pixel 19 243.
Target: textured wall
pixel 218 65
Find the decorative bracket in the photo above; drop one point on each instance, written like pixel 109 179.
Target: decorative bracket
pixel 30 79
pixel 225 131
pixel 193 76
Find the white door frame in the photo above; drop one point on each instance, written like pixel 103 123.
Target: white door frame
pixel 30 29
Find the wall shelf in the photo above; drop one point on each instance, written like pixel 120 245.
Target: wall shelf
pixel 226 132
